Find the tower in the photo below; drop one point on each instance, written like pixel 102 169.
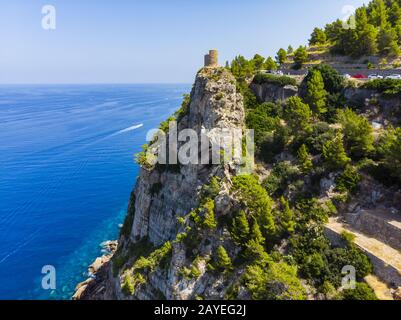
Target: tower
pixel 212 59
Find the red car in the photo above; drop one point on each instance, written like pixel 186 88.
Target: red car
pixel 359 76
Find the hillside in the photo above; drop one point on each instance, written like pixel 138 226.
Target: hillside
pixel 322 202
pixel 205 232
pixel 368 42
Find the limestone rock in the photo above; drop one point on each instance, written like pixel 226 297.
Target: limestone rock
pixel 268 92
pixel 214 104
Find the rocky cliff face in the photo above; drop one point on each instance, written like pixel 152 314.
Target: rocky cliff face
pixel 267 92
pixel 163 196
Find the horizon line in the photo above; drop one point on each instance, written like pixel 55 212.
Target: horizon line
pixel 95 83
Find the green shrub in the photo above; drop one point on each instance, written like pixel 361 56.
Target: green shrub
pixel 281 176
pixel 361 292
pixel 316 95
pixel 298 115
pixel 212 189
pixel 144 158
pixel 300 57
pixel 274 143
pixel 304 159
pixel 240 227
pixel 255 198
pixel 262 78
pixel 389 87
pixel 128 287
pixel 261 122
pixel 321 133
pixel 285 217
pixel 333 81
pixel 222 260
pixel 389 149
pixel 358 133
pixel 348 180
pixel 334 153
pixel 276 282
pixel 209 220
pixel 183 111
pixel 314 266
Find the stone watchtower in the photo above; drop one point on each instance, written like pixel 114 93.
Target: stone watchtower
pixel 212 59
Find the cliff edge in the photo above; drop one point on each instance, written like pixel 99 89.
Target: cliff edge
pixel 153 260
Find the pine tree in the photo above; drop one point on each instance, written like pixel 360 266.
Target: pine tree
pixel 300 56
pixel 395 13
pixel 210 220
pixel 390 150
pixel 255 250
pixel 366 34
pixel 334 153
pixel 290 49
pixel 388 41
pixel 240 227
pixel 223 260
pixel 270 64
pixel 256 234
pixel 316 95
pixel 357 131
pixel 258 62
pixel 318 37
pixel 378 13
pixel 287 221
pixel 333 30
pixel 298 115
pixel 281 56
pixel 304 159
pixel 398 31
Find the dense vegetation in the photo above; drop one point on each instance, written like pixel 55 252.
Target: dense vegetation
pixel 276 229
pixel 373 29
pixel 324 136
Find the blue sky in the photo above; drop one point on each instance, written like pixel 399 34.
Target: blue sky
pixel 152 41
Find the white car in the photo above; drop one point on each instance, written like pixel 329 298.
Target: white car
pixel 375 76
pixel 394 77
pixel 347 76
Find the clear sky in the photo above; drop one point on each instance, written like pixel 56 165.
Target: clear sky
pixel 147 41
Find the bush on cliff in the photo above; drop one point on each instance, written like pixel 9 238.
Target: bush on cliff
pixel 390 87
pixel 255 199
pixel 361 292
pixel 390 151
pixel 277 281
pixel 358 133
pixel 333 81
pixel 262 78
pixel 298 115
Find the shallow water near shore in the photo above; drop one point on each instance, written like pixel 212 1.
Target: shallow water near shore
pixel 67 171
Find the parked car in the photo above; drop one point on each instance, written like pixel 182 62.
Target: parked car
pixel 275 72
pixel 347 76
pixel 375 76
pixel 359 76
pixel 394 77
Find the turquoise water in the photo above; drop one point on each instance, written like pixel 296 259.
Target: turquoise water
pixel 67 171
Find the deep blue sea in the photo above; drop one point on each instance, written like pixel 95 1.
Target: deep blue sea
pixel 66 174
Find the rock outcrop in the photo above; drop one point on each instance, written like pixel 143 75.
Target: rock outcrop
pixel 165 194
pixel 268 92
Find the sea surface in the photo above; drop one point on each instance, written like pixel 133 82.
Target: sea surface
pixel 66 173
